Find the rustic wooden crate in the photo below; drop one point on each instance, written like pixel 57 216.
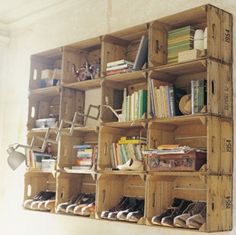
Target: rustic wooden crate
pixel 51 59
pixel 218 22
pixel 78 53
pixel 35 182
pixel 121 45
pixel 41 106
pixel 69 185
pixel 215 190
pixel 113 92
pixel 112 188
pixel 75 100
pixel 218 77
pixel 208 132
pixel 66 153
pixel 109 135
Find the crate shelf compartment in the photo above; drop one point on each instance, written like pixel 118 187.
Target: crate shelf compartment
pixel 110 135
pixel 218 79
pixel 70 185
pixel 219 43
pixel 210 132
pixel 67 155
pixel 51 60
pixel 35 182
pixel 113 95
pixel 214 190
pixel 74 100
pixel 112 188
pixel 122 45
pixel 43 106
pixel 78 54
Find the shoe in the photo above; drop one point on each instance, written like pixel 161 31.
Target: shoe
pixel 78 209
pixel 128 204
pixel 135 216
pixel 82 197
pixel 193 209
pixel 157 219
pixel 27 203
pixel 131 165
pixel 169 220
pixel 123 214
pixel 88 210
pixel 61 208
pixel 105 214
pixel 197 220
pixel 46 195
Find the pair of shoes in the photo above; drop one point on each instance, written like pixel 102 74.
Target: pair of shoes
pixel 134 213
pixel 131 165
pixel 193 217
pixel 86 205
pixel 61 208
pixel 129 209
pixel 44 200
pixel 81 204
pixel 167 218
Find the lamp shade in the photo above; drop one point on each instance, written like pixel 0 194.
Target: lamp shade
pixel 15 158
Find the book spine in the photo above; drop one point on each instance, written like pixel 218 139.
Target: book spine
pixel 119 62
pixel 200 95
pixel 118 67
pixel 172 101
pixel 114 145
pixel 167 94
pixel 113 72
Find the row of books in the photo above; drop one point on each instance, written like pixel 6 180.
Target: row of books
pixel 198 95
pixel 134 106
pixel 125 149
pixel 164 100
pixel 181 39
pixel 85 154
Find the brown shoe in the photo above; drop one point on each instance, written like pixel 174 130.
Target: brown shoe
pixel 197 220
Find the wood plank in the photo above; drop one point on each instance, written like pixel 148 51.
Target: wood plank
pixel 47 91
pixel 84 85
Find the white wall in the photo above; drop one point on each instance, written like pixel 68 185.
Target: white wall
pixel 84 19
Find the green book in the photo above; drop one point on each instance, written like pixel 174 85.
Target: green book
pixel 124 155
pixel 143 103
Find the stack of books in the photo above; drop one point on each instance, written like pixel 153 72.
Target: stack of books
pixel 85 154
pixel 164 100
pixel 179 40
pixel 198 95
pixel 134 106
pixel 119 66
pixel 127 148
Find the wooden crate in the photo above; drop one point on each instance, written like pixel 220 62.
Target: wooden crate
pixel 218 22
pixel 112 188
pixel 36 182
pixel 78 53
pixel 208 132
pixel 109 135
pixel 69 185
pixel 74 100
pixel 51 59
pixel 218 77
pixel 215 190
pixel 121 45
pixel 66 153
pixel 113 93
pixel 42 106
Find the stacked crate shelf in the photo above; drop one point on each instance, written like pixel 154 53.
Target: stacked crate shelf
pixel 210 129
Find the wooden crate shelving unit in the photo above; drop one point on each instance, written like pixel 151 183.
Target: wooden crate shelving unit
pixel 211 129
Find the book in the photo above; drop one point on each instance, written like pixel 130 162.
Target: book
pixel 118 67
pixel 119 62
pixel 118 71
pixel 142 54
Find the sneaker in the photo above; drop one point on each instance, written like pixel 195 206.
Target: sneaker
pixel 78 209
pixel 197 220
pixel 105 214
pixel 157 219
pixel 46 205
pixel 122 215
pixel 61 208
pixel 46 195
pixel 192 209
pixel 131 165
pixel 169 220
pixel 27 203
pixel 70 208
pixel 137 214
pixel 88 210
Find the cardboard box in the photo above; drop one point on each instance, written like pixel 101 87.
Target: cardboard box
pixel 188 55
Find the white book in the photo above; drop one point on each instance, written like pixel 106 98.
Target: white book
pixel 117 67
pixel 119 62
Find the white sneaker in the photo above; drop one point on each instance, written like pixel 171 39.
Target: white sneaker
pixel 131 165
